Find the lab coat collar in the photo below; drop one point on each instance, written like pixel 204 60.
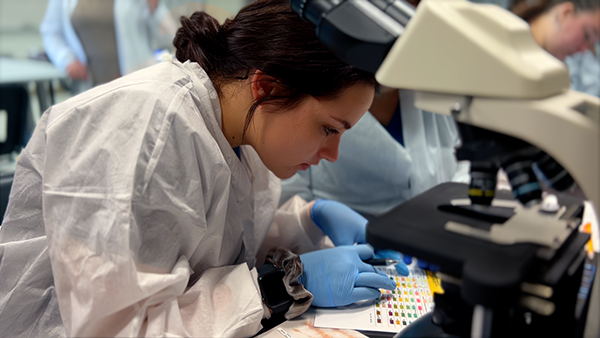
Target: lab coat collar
pixel 251 180
pixel 207 99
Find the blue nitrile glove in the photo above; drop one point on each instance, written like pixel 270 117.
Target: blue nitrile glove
pixel 338 276
pixel 421 264
pixel 392 254
pixel 343 225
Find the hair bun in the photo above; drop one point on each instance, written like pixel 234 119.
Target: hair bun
pixel 200 38
pixel 529 10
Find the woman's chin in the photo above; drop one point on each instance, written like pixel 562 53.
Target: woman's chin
pixel 285 174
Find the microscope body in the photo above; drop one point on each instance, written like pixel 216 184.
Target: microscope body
pixel 514 110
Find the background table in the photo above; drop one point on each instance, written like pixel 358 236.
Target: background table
pixel 24 71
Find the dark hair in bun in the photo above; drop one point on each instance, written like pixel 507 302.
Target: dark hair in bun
pixel 268 36
pixel 201 40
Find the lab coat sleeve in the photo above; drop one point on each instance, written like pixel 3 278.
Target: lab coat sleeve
pixel 293 229
pixel 462 173
pixel 300 184
pixel 126 205
pixel 55 43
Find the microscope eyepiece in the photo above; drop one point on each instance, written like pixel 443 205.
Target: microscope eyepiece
pixel 313 10
pixel 359 32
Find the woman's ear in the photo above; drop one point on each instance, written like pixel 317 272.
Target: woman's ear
pixel 564 11
pixel 263 85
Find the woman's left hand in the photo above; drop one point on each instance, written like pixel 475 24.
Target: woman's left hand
pixel 401 267
pixel 343 225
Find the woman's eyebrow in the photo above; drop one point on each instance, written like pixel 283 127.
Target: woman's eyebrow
pixel 345 123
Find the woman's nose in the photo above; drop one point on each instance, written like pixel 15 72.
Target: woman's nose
pixel 586 46
pixel 329 150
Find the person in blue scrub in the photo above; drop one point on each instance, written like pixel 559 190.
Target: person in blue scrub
pixel 395 152
pixel 584 70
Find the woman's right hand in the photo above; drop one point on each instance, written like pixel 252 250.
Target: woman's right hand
pixel 77 71
pixel 338 276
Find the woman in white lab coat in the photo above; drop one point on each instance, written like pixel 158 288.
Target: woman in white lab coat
pixel 141 207
pixel 120 36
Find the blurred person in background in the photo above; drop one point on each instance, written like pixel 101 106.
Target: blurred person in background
pixel 96 41
pixel 569 30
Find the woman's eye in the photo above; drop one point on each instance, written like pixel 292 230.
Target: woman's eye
pixel 589 36
pixel 329 130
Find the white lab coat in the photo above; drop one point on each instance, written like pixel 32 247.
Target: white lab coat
pixel 374 172
pixel 131 214
pixel 137 33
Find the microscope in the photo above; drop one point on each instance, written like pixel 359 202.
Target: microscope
pixel 510 265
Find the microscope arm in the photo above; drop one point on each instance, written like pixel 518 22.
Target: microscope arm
pixel 566 126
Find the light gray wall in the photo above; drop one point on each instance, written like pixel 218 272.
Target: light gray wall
pixel 18 15
pixel 232 6
pixel 19 22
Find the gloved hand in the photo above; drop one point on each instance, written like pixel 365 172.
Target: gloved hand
pixel 392 254
pixel 421 264
pixel 338 276
pixel 343 225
